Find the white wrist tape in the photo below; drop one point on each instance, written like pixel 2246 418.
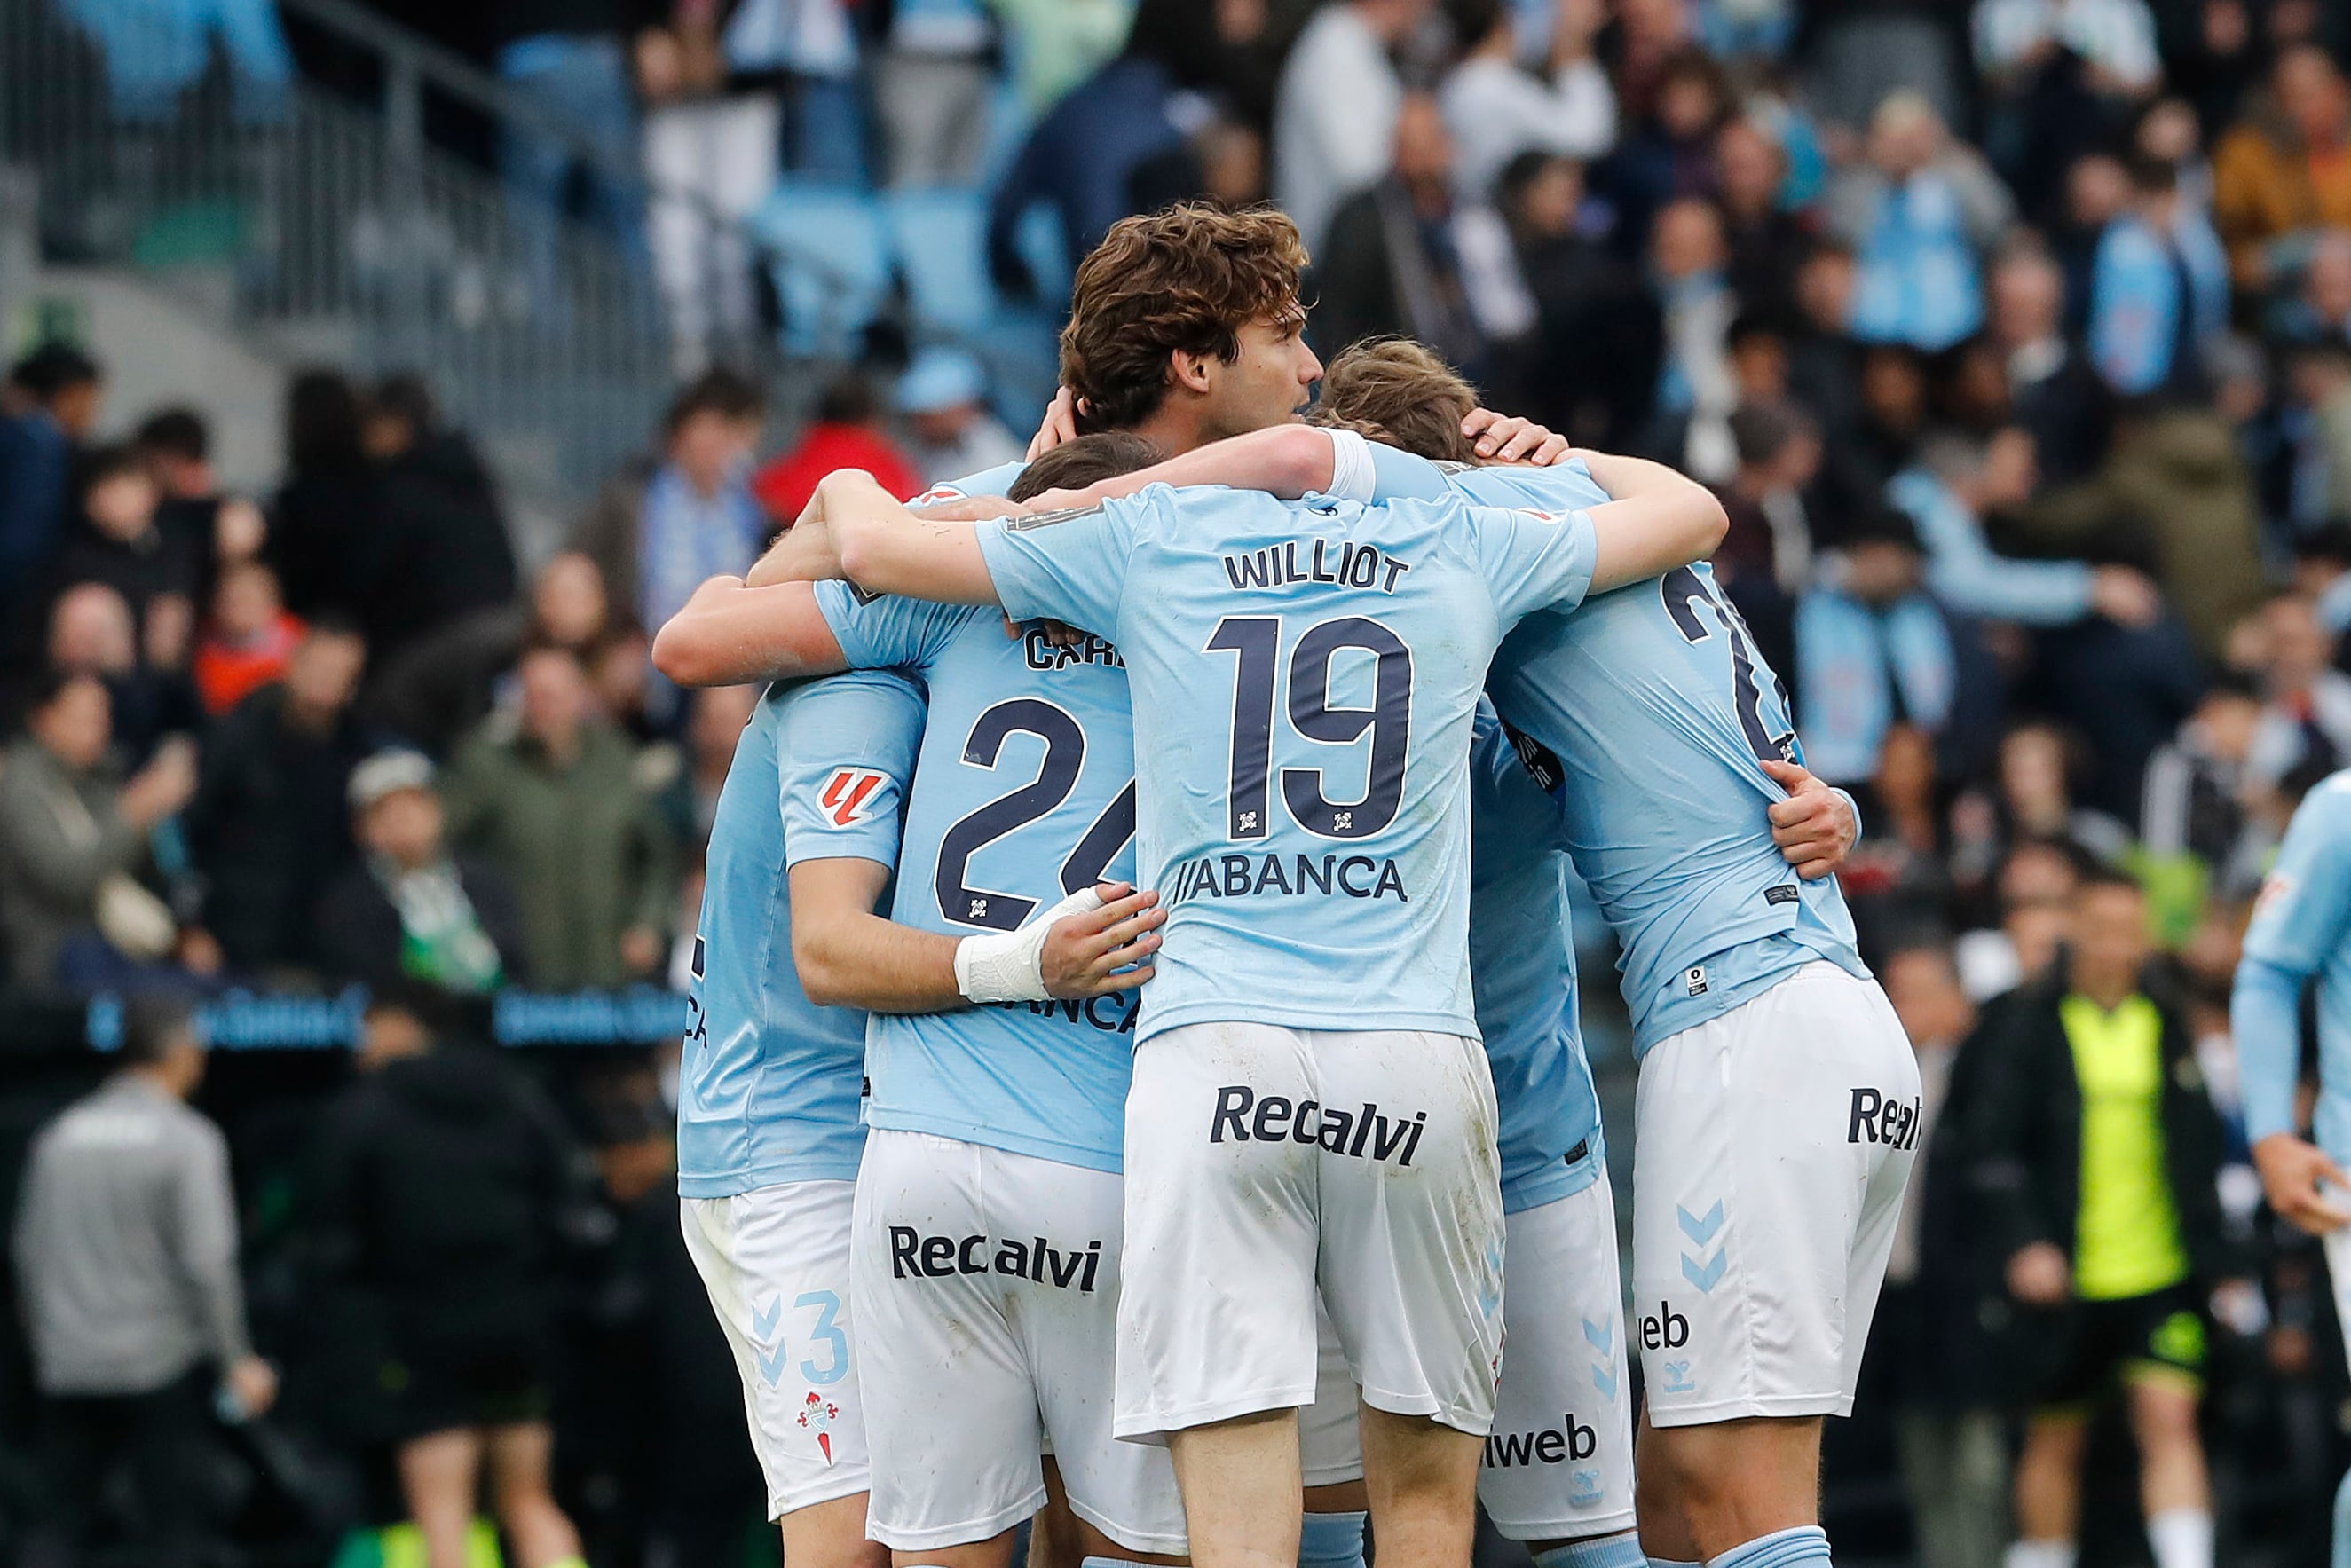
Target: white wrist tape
pixel 1353 476
pixel 1009 966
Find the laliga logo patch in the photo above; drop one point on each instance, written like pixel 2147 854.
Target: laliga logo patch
pixel 935 495
pixel 846 793
pixel 2276 888
pixel 1542 516
pixel 817 1414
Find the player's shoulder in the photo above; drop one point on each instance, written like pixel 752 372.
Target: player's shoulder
pixel 2330 800
pixel 986 482
pixel 853 699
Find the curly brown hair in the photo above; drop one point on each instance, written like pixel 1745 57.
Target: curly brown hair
pixel 1402 389
pixel 1188 279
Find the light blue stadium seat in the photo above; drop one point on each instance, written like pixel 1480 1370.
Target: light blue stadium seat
pixel 941 235
pixel 1038 240
pixel 832 266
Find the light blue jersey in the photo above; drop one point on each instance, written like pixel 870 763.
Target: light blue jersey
pixel 1524 958
pixel 1026 793
pixel 2301 929
pixel 769 1085
pixel 986 482
pixel 1658 707
pixel 1304 682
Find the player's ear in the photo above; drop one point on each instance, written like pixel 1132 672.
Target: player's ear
pixel 1191 372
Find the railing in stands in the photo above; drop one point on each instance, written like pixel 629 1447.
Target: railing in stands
pixel 328 221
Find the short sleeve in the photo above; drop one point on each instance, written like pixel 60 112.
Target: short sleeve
pixel 1069 565
pixel 845 753
pixel 1398 475
pixel 877 632
pixel 2305 901
pixel 1534 560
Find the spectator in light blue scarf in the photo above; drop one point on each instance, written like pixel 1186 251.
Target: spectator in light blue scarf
pixel 2160 290
pixel 1873 649
pixel 1918 214
pixel 155 49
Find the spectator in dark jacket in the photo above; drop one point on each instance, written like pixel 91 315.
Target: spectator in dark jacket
pixel 1599 336
pixel 1932 1333
pixel 214 527
pixel 1393 263
pixel 48 406
pixel 115 540
pixel 411 910
pixel 268 827
pixel 324 537
pixel 2095 1151
pixel 447 546
pixel 443 1186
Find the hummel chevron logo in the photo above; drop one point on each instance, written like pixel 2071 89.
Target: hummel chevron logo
pixel 763 1323
pixel 772 1363
pixel 1701 1228
pixel 1604 1378
pixel 1600 1337
pixel 1707 1275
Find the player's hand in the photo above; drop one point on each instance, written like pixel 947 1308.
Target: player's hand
pixel 2294 1172
pixel 2039 1276
pixel 1506 438
pixel 1060 424
pixel 1082 952
pixel 1814 826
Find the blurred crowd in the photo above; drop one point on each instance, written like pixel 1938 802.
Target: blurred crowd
pixel 2016 336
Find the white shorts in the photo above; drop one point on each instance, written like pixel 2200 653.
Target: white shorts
pixel 1771 1148
pixel 1244 1194
pixel 987 1287
pixel 776 1263
pixel 1559 1465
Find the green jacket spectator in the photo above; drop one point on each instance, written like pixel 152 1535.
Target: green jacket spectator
pixel 555 803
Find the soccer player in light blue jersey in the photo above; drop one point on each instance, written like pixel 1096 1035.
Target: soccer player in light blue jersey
pixel 1557 1473
pixel 1811 828
pixel 1778 1094
pixel 1271 1140
pixel 2302 931
pixel 767 1133
pixel 769 1140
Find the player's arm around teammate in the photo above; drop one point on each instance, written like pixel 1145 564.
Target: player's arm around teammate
pixel 849 956
pixel 1659 520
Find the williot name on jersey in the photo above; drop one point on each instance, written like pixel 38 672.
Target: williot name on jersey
pixel 1279 566
pixel 1291 875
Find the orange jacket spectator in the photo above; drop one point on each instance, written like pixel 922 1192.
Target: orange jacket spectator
pixel 2286 170
pixel 247 642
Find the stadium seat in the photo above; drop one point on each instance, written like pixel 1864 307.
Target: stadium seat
pixel 941 236
pixel 832 266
